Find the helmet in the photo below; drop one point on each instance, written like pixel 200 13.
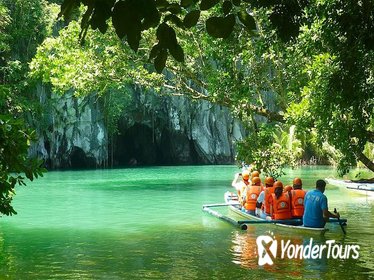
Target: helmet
pixel 297 182
pixel 256 181
pixel 245 175
pixel 278 184
pixel 287 188
pixel 255 174
pixel 269 181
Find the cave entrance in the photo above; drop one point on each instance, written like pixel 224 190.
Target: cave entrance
pixel 80 160
pixel 135 146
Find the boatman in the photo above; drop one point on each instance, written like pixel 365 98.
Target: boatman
pixel 316 211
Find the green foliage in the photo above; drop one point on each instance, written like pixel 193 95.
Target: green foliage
pixel 19 21
pixel 131 18
pixel 14 142
pixel 261 152
pixel 4 22
pixel 100 65
pixel 339 93
pixel 307 63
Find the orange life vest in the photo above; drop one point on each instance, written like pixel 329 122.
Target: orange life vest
pixel 251 197
pixel 281 207
pixel 266 203
pixel 297 205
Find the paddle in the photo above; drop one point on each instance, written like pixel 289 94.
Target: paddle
pixel 340 222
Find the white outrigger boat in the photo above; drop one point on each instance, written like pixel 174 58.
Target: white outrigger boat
pixel 362 187
pixel 231 200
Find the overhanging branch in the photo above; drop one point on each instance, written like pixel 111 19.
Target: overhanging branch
pixel 365 160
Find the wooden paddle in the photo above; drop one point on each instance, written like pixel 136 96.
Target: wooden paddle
pixel 340 222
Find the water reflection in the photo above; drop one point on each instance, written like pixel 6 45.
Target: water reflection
pixel 293 262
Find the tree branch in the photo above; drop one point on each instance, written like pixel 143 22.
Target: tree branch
pixel 366 161
pixel 370 136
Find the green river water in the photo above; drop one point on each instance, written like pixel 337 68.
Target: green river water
pixel 148 223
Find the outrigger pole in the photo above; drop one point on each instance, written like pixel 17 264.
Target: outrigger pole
pixel 223 217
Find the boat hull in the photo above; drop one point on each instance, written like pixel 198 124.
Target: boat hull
pixel 364 188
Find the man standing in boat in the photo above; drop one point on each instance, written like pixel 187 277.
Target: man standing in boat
pixel 316 211
pixel 241 185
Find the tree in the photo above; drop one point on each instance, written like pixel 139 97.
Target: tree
pixel 325 50
pixel 18 41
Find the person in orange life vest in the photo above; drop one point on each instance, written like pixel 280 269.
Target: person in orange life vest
pixel 287 188
pixel 251 194
pixel 297 199
pixel 240 186
pixel 280 203
pixel 255 174
pixel 262 201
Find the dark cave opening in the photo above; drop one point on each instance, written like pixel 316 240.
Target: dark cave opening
pixel 79 159
pixel 138 145
pixel 135 146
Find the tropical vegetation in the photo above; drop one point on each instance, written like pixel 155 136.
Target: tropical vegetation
pixel 298 74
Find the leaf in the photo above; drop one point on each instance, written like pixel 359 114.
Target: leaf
pixel 247 20
pixel 160 61
pixel 226 7
pixel 102 12
pixel 151 15
pixel 133 36
pixel 207 4
pixel 154 51
pixel 175 19
pixel 191 18
pixel 162 3
pixel 67 7
pixel 166 35
pixel 86 16
pixel 177 52
pixel 186 3
pixel 127 22
pixel 236 2
pixel 220 27
pixel 174 8
pixel 123 18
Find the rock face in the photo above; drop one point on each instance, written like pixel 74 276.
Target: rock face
pixel 152 130
pixel 71 131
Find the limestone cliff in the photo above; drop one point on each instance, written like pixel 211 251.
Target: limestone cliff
pixel 152 130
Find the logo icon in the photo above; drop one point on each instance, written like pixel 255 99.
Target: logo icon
pixel 267 249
